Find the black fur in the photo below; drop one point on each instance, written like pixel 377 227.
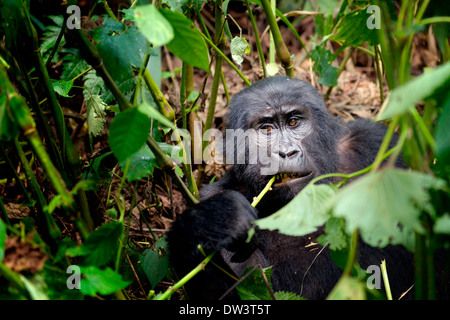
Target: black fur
pixel 319 143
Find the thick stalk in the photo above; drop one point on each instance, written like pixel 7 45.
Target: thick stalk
pixel 219 40
pixel 49 225
pixel 257 39
pixel 280 46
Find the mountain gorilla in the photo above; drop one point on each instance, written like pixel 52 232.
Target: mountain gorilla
pixel 310 142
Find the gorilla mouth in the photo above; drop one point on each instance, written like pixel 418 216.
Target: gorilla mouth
pixel 287 178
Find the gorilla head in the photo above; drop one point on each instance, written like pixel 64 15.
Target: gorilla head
pixel 293 129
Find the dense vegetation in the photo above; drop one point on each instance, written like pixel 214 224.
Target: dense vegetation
pixel 93 164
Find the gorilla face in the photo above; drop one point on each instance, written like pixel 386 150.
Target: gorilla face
pixel 292 136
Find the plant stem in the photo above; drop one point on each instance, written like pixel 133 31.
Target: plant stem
pixel 48 224
pixel 280 46
pixel 108 10
pixel 379 74
pixel 163 106
pixel 352 254
pixel 257 39
pixel 386 280
pixel 14 279
pixel 166 295
pixel 268 187
pixel 219 39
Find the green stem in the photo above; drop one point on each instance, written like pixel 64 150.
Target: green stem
pixel 168 293
pixel 384 145
pixel 108 10
pixel 386 280
pixel 14 279
pixel 268 187
pixel 435 20
pixel 280 46
pixel 352 254
pixel 379 74
pixel 257 39
pixel 163 106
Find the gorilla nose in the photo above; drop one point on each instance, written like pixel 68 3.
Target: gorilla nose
pixel 288 153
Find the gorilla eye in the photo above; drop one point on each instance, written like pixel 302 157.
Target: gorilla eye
pixel 266 128
pixel 293 121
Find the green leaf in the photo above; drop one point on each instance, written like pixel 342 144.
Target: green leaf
pixel 97 281
pixel 286 295
pixel 442 224
pixel 142 164
pixel 50 36
pixel 348 288
pixel 129 131
pixel 353 31
pixel 335 234
pixel 101 245
pixel 73 65
pixel 2 239
pixel 156 262
pixel 153 25
pixel 379 202
pixel 322 66
pixel 187 43
pixel 443 138
pixel 239 46
pixel 303 215
pixel 404 98
pixel 95 112
pixel 128 14
pixel 254 286
pixel 62 87
pixel 120 47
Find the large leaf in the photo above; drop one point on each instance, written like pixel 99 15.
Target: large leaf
pixel 353 31
pixel 156 262
pixel 348 288
pixel 187 44
pixel 129 131
pixel 442 137
pixel 379 202
pixel 97 281
pixel 101 245
pixel 322 58
pixel 121 47
pixel 403 98
pixel 153 25
pixel 303 214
